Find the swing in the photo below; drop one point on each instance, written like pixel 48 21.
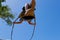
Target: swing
pixel 26 16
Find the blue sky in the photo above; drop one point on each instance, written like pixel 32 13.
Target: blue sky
pixel 47 19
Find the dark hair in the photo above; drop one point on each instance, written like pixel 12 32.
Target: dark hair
pixel 23 8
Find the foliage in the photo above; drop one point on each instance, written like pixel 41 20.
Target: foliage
pixel 5 13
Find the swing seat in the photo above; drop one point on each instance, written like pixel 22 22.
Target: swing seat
pixel 28 17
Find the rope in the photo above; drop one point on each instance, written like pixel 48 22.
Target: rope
pixel 12 29
pixel 32 33
pixel 33 30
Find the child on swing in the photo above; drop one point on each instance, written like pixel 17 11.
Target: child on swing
pixel 27 13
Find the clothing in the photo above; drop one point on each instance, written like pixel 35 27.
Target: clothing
pixel 28 13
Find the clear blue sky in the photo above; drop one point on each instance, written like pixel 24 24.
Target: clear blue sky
pixel 47 18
